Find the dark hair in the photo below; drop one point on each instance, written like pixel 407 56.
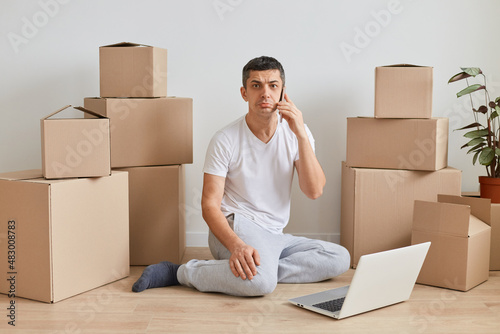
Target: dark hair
pixel 262 63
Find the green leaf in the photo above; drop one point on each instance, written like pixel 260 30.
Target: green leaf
pixel 471 70
pixel 477 147
pixel 476 133
pixel 497 99
pixel 459 76
pixel 475 157
pixel 486 157
pixel 474 142
pixel 497 151
pixel 494 114
pixel 473 125
pixel 470 89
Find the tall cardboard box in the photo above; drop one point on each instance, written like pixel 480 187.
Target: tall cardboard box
pixel 132 70
pixel 66 236
pixel 377 205
pixel 75 147
pixel 157 220
pixel 413 144
pixel 460 242
pixel 148 132
pixel 403 91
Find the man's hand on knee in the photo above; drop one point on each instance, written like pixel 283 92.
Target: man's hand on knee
pixel 244 261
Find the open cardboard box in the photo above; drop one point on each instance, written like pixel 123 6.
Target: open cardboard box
pixel 377 205
pixel 495 231
pixel 148 132
pixel 66 236
pixel 458 230
pixel 132 70
pixel 157 219
pixel 412 144
pixel 75 147
pixel 403 91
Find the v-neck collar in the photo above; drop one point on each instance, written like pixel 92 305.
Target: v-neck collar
pixel 255 138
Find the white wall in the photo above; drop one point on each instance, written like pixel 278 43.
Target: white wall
pixel 49 59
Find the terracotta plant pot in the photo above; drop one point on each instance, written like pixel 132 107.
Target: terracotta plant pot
pixel 490 188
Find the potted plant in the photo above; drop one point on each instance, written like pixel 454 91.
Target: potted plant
pixel 483 134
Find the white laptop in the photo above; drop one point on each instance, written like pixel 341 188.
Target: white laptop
pixel 380 279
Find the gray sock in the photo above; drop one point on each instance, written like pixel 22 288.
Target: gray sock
pixel 156 276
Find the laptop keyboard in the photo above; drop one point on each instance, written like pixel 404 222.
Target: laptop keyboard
pixel 331 305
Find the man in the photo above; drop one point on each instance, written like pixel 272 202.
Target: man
pixel 247 185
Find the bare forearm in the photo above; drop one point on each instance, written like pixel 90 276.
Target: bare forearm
pixel 311 177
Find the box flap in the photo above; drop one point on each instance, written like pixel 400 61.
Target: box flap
pixel 22 175
pixel 476 226
pixel 55 112
pixel 125 44
pixel 480 207
pixel 442 218
pixel 78 108
pixel 93 113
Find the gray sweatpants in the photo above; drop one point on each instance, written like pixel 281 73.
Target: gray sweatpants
pixel 284 258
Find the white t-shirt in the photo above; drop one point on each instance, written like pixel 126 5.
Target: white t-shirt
pixel 258 175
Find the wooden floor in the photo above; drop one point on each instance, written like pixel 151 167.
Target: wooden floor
pixel 115 309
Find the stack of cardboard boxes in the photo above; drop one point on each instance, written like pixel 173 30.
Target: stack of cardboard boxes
pixel 393 159
pixel 151 138
pixel 111 189
pixel 397 189
pixel 68 231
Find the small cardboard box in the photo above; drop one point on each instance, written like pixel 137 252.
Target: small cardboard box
pixel 459 255
pixel 65 236
pixel 403 91
pixel 377 205
pixel 132 70
pixel 157 219
pixel 412 144
pixel 495 232
pixel 75 147
pixel 148 132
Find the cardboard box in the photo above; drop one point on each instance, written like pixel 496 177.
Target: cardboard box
pixel 459 255
pixel 148 132
pixel 377 205
pixel 75 147
pixel 132 70
pixel 69 235
pixel 495 232
pixel 413 144
pixel 157 219
pixel 403 91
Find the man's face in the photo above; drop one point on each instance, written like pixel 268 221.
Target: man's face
pixel 263 91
